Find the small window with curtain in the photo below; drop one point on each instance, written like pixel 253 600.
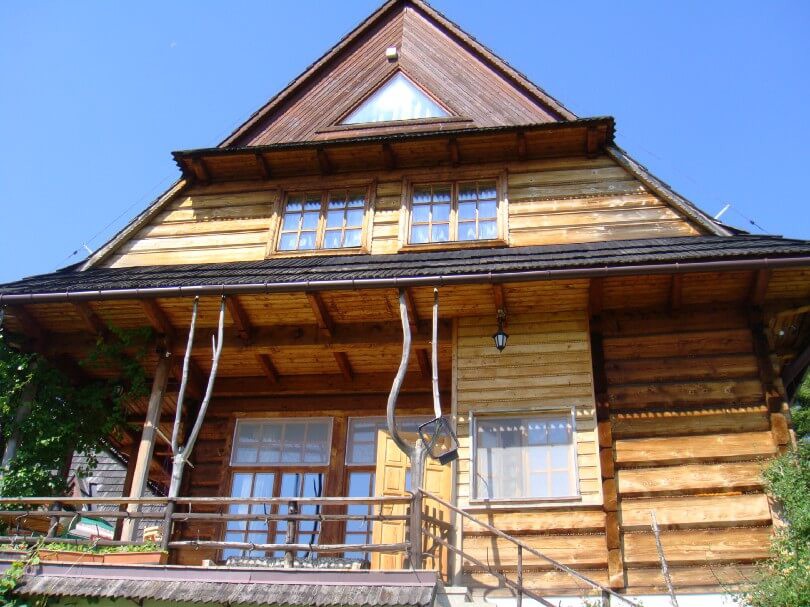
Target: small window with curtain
pixel 458 211
pixel 525 457
pixel 323 220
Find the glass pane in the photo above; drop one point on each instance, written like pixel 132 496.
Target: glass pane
pixel 467 191
pixel 441 213
pixel 290 222
pixel 559 432
pixel 560 484
pixel 249 432
pixel 334 219
pixel 313 202
pixel 487 209
pixel 419 234
pixel 331 239
pixel 357 199
pixel 421 194
pixel 420 213
pixel 294 204
pixel 397 99
pixel 466 211
pixel 307 240
pixel 487 190
pixel 354 218
pixel 310 221
pixel 246 455
pixel 352 238
pixel 241 485
pixel 560 456
pixel 466 231
pixel 294 434
pixel 487 230
pixel 440 233
pixel 441 193
pixel 288 242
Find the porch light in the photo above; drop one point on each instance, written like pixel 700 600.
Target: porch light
pixel 440 441
pixel 500 336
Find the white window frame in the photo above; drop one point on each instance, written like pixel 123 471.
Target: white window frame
pixel 283 420
pixel 552 413
pixel 376 418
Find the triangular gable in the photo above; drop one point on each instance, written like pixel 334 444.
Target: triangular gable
pixel 398 98
pixel 480 89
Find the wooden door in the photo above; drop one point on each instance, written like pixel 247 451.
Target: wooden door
pixel 390 480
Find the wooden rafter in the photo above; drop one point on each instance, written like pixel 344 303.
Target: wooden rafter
pixel 759 286
pixel 91 319
pixel 423 358
pixel 593 141
pixel 330 383
pixel 158 319
pixel 241 320
pixel 389 158
pixel 676 292
pixel 263 166
pixel 30 325
pixel 321 314
pixel 343 363
pixel 521 145
pixel 201 173
pixel 324 162
pixel 196 381
pixel 268 368
pixel 455 154
pixel 596 295
pixel 413 316
pixel 499 298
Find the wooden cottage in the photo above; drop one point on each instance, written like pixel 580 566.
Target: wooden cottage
pixel 651 350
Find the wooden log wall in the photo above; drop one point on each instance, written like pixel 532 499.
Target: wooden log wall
pixel 548 202
pixel 691 432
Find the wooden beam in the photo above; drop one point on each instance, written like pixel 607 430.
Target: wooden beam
pixel 262 166
pixel 342 360
pixel 452 149
pixel 759 286
pixel 91 319
pixel 269 369
pixel 389 158
pixel 279 338
pixel 158 319
pixel 196 381
pixel 596 296
pixel 592 142
pixel 795 369
pixel 410 305
pixel 521 145
pixel 241 320
pixel 499 297
pixel 201 173
pixel 147 444
pixel 323 383
pixel 676 292
pixel 30 325
pixel 423 359
pixel 324 162
pixel 321 314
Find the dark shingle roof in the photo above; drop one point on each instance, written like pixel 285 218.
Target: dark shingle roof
pixel 233 586
pixel 472 264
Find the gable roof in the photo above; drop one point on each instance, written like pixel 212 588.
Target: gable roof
pixel 433 51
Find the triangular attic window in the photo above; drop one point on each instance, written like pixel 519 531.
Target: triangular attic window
pixel 397 99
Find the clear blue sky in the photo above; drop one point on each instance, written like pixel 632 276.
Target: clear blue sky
pixel 714 97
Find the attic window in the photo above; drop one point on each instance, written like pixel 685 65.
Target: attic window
pixel 397 99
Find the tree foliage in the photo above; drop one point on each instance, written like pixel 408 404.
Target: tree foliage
pixel 65 417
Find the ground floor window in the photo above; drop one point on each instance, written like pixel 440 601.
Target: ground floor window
pixel 525 456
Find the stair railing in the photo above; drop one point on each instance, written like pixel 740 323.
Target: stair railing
pixel 517 586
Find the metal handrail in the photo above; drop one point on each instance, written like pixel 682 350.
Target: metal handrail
pixel 523 546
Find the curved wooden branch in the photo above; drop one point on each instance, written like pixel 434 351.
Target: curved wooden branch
pixel 400 377
pixel 184 380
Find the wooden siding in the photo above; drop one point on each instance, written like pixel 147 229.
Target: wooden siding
pixel 545 202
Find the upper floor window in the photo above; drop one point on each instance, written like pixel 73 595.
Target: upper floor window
pixel 282 442
pixel 444 212
pixel 322 220
pixel 527 456
pixel 396 99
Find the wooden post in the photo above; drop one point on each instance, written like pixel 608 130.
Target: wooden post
pixel 292 534
pixel 147 445
pixel 520 576
pixel 132 454
pixel 23 411
pixel 417 480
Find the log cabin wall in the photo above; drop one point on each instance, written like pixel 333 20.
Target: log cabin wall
pixel 546 202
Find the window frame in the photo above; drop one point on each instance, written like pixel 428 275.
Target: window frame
pixel 501 212
pixel 289 466
pixel 568 412
pixel 274 240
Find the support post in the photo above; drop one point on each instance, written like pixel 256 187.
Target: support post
pixel 147 444
pixel 417 480
pixel 23 411
pixel 292 533
pixel 519 576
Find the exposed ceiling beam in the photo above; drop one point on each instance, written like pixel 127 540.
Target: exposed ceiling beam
pixel 596 295
pixel 423 359
pixel 241 320
pixel 592 142
pixel 389 158
pixel 288 337
pixel 500 298
pixel 268 368
pixel 321 314
pixel 410 306
pixel 158 319
pixel 342 360
pixel 263 166
pixel 30 325
pixel 201 173
pixel 324 162
pixel 795 369
pixel 196 383
pixel 91 319
pixel 455 154
pixel 676 292
pixel 759 286
pixel 521 145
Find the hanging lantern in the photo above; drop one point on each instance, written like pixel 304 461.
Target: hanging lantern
pixel 439 439
pixel 500 336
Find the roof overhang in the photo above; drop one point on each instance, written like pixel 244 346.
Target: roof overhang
pixel 450 144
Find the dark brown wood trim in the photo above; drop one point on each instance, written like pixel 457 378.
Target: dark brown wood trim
pixel 241 320
pixel 269 369
pixel 321 314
